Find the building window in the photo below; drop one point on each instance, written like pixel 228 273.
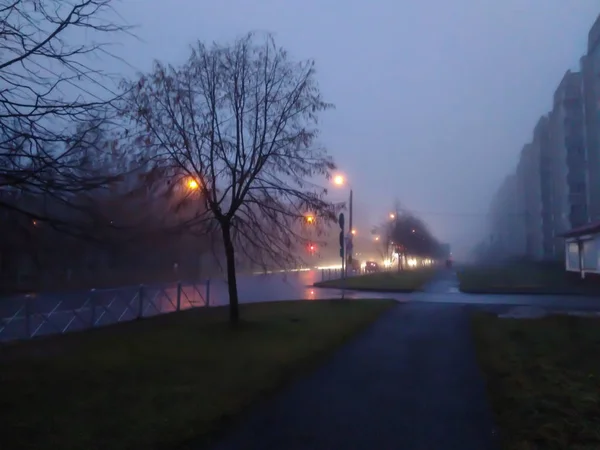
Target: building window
pixel 572 256
pixel 590 258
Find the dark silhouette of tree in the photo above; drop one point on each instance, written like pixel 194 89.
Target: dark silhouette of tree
pixel 235 127
pixel 409 235
pixel 50 101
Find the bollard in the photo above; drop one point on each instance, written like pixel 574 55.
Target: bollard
pixel 207 299
pixel 179 296
pixel 28 312
pixel 92 308
pixel 140 301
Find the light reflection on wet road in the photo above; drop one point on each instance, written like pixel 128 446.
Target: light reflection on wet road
pixel 72 311
pixel 50 313
pixel 282 286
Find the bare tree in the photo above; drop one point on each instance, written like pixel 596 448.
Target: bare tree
pixel 238 124
pixel 408 235
pixel 50 98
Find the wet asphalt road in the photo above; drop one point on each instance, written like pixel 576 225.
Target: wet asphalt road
pixel 51 313
pixel 251 288
pixel 63 312
pixel 298 286
pixel 409 382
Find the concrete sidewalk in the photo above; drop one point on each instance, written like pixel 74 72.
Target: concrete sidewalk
pixel 409 382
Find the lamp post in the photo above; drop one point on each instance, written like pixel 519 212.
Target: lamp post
pixel 339 180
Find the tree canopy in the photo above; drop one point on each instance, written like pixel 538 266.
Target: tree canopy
pixel 236 127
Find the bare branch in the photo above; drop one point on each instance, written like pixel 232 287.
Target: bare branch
pixel 51 100
pixel 241 120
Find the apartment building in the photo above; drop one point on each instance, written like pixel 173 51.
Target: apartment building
pixel 568 158
pixel 542 153
pixel 506 220
pixel 590 67
pixel 557 181
pixel 529 182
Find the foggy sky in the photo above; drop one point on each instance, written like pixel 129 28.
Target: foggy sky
pixel 434 98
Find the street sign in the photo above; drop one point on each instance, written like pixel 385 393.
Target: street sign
pixel 341 221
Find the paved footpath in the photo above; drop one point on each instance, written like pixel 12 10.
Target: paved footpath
pixel 409 382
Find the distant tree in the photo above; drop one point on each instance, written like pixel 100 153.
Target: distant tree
pixel 407 233
pixel 235 127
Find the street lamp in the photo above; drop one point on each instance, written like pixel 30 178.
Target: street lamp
pixel 192 184
pixel 392 216
pixel 339 180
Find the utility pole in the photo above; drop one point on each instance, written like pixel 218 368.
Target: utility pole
pixel 350 231
pixel 342 252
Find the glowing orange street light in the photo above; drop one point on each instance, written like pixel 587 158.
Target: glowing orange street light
pixel 310 219
pixel 353 232
pixel 192 184
pixel 339 180
pixel 376 238
pixel 392 216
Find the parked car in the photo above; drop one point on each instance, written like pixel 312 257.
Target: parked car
pixel 371 267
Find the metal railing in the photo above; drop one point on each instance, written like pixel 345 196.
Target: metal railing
pixel 336 274
pixel 29 316
pixel 331 274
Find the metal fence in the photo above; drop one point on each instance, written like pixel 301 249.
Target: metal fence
pixel 29 316
pixel 336 274
pixel 331 274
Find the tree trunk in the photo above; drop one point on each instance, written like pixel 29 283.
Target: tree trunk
pixel 234 310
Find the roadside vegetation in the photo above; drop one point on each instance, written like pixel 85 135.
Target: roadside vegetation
pixel 164 381
pixel 403 281
pixel 543 377
pixel 525 278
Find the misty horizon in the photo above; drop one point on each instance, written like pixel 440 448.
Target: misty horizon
pixel 434 101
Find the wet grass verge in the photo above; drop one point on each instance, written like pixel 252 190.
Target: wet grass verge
pixel 166 380
pixel 526 279
pixel 543 378
pixel 403 281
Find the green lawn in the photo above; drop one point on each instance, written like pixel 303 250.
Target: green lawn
pixel 404 281
pixel 525 278
pixel 543 379
pixel 165 381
